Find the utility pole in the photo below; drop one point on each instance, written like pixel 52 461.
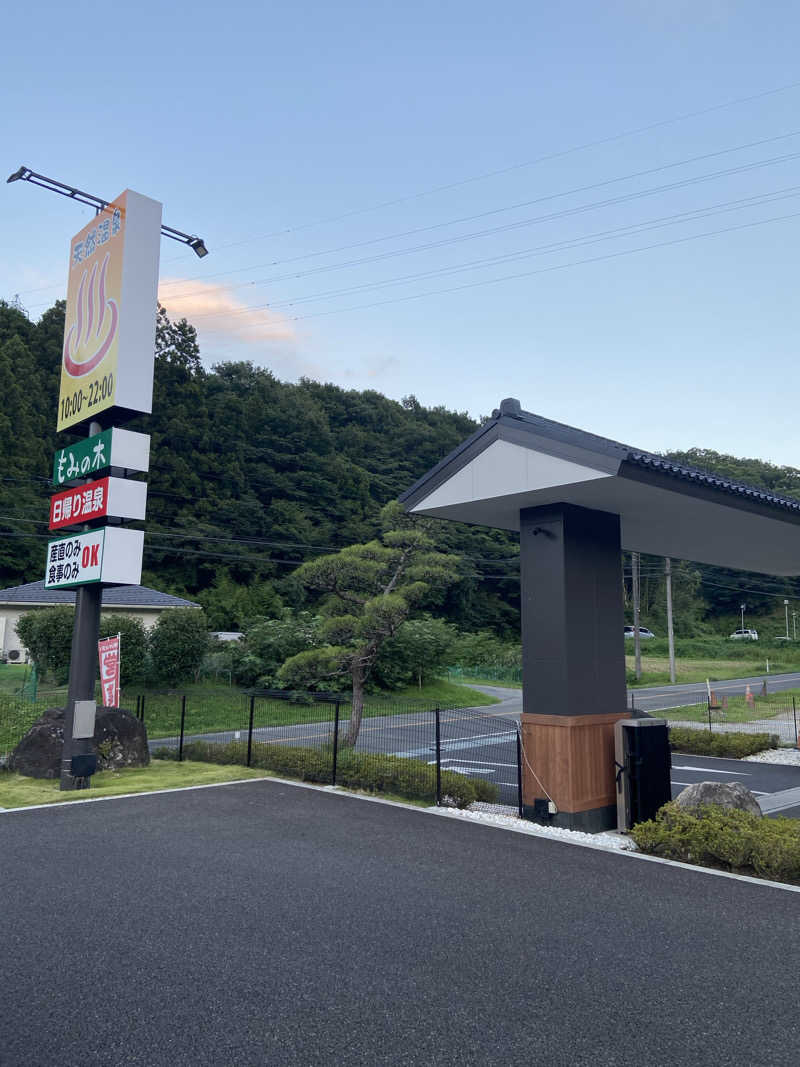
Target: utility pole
pixel 786 610
pixel 670 634
pixel 741 608
pixel 794 624
pixel 637 640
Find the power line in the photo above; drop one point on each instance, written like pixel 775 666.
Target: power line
pixel 259 542
pixel 462 238
pixel 630 230
pixel 485 214
pixel 560 154
pixel 529 274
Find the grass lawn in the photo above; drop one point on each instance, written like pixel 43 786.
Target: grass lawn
pixel 738 710
pixel 213 707
pixel 476 680
pixel 12 675
pixel 18 792
pixel 447 694
pixel 655 669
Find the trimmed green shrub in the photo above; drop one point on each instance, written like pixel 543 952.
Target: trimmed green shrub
pixel 729 840
pixel 47 634
pixel 727 745
pixel 371 772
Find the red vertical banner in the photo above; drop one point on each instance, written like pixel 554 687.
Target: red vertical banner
pixel 108 653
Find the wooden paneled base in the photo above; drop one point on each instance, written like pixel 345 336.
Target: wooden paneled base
pixel 573 756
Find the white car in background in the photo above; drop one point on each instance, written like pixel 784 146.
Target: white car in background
pixel 744 635
pixel 643 632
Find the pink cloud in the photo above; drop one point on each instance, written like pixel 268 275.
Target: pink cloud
pixel 211 309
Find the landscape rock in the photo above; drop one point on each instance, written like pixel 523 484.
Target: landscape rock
pixel 120 740
pixel 723 794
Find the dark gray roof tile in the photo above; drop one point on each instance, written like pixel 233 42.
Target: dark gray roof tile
pixel 122 596
pixel 510 414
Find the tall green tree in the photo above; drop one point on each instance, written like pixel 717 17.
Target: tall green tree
pixel 178 643
pixel 367 592
pixel 419 650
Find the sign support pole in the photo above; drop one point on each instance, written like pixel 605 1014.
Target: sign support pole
pixel 82 668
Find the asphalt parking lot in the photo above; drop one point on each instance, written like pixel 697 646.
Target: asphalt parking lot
pixel 271 924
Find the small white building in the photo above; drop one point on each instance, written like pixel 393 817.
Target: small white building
pixel 135 601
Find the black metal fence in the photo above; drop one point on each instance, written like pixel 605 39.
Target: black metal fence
pixel 16 718
pixel 415 750
pixel 753 714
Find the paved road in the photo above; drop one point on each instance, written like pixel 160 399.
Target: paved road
pixel 662 697
pixel 763 779
pixel 265 924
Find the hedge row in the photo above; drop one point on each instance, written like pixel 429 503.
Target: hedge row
pixel 730 745
pixel 371 772
pixel 729 840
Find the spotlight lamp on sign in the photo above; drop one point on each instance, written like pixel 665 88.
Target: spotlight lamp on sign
pixel 25 174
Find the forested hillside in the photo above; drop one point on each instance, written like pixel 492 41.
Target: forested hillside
pixel 251 476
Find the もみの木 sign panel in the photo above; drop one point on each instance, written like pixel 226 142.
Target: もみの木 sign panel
pixel 123 449
pixel 109 332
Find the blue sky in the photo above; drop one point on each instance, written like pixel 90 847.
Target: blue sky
pixel 298 139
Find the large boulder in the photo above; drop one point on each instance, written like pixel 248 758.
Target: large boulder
pixel 120 740
pixel 722 794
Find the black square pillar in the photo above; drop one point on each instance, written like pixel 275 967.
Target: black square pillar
pixel 573 659
pixel 573 656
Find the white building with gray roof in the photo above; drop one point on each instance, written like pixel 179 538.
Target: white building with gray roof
pixel 135 601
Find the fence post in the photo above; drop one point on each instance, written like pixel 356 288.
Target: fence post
pixel 141 708
pixel 519 771
pixel 335 743
pixel 794 712
pixel 183 720
pixel 709 716
pixel 250 729
pixel 438 760
pixel 138 698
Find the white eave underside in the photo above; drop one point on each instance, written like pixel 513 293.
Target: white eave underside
pixel 491 489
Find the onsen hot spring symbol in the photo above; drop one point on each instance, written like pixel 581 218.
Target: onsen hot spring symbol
pixel 88 342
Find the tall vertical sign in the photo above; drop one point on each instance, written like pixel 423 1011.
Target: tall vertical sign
pixel 106 378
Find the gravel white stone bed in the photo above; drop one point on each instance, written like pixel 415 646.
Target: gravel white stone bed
pixel 500 815
pixel 789 757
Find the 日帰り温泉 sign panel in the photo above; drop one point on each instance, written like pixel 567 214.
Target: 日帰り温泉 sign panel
pixel 117 498
pixel 124 449
pixel 109 332
pixel 110 555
